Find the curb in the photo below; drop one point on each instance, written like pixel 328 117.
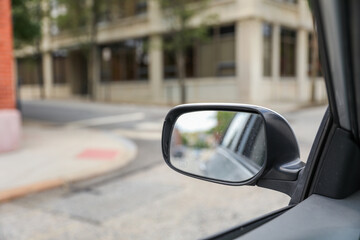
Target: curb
pixel 18 192
pixel 14 193
pixel 127 152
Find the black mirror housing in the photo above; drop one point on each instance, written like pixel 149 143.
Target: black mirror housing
pixel 282 165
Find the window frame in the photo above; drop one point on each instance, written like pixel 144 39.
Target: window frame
pixel 285 71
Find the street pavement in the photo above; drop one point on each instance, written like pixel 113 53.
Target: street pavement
pixel 142 126
pixel 144 199
pixel 52 156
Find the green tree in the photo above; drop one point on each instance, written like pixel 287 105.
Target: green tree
pixel 27 17
pixel 180 14
pixel 80 18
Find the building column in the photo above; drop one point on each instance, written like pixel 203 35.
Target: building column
pixel 249 64
pixel 301 64
pixel 155 15
pixel 275 61
pixel 94 70
pixel 47 61
pixel 276 53
pixel 156 68
pixel 155 53
pixel 47 67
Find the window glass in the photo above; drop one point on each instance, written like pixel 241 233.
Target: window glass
pixel 59 66
pixel 116 9
pixel 287 1
pixel 237 125
pixel 255 133
pixel 214 57
pixel 267 49
pixel 29 70
pixel 288 52
pixel 169 59
pixel 228 30
pixel 140 7
pixel 125 61
pixel 128 8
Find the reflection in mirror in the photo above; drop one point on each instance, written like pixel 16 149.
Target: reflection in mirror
pixel 221 145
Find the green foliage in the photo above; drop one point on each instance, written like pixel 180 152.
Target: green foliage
pixel 26 17
pixel 76 16
pixel 194 140
pixel 82 15
pixel 79 19
pixel 184 140
pixel 201 144
pixel 179 14
pixel 310 5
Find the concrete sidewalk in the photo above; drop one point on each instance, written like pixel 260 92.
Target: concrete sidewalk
pixel 53 156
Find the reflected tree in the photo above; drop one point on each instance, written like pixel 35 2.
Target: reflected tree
pixel 223 120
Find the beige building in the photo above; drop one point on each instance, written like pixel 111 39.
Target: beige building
pixel 259 51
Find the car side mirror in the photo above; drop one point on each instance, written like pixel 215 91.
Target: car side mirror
pixel 232 144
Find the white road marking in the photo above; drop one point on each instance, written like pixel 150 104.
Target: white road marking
pixel 138 134
pixel 92 122
pixel 150 126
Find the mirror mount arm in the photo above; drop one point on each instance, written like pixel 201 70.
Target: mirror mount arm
pixel 288 171
pixel 284 186
pixel 283 166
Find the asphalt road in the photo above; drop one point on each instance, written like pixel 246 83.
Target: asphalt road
pixel 145 199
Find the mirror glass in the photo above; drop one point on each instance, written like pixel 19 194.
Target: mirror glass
pixel 221 145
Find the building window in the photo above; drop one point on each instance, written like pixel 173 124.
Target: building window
pixel 267 49
pixel 169 58
pixel 29 70
pixel 125 61
pixel 291 1
pixel 287 1
pixel 121 9
pixel 106 11
pixel 59 66
pixel 288 52
pixel 140 7
pixel 215 57
pixel 128 8
pixel 310 57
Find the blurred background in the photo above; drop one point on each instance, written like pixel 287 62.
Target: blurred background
pixel 85 86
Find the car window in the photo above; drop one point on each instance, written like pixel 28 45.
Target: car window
pixel 82 112
pixel 234 131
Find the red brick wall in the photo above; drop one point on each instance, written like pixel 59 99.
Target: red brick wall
pixel 7 87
